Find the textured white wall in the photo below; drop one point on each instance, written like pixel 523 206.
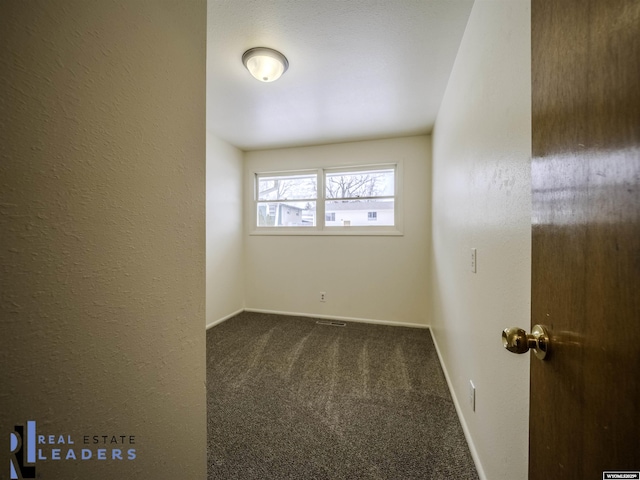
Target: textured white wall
pixel 481 199
pixel 225 260
pixel 366 277
pixel 102 221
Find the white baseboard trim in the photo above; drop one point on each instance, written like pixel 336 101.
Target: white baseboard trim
pixel 335 317
pixel 220 320
pixel 465 428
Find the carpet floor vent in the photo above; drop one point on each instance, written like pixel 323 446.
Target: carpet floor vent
pixel 331 323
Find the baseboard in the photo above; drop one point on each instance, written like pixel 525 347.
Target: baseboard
pixel 220 320
pixel 335 317
pixel 465 428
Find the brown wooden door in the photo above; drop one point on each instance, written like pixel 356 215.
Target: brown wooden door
pixel 585 399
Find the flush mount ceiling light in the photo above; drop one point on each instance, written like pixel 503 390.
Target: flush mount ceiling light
pixel 264 63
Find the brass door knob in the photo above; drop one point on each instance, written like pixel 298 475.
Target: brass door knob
pixel 516 340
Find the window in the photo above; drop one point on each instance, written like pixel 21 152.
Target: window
pixel 355 200
pixel 353 194
pixel 287 200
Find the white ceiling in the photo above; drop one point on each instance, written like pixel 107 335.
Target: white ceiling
pixel 358 69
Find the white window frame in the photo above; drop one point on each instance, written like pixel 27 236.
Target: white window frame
pixel 320 228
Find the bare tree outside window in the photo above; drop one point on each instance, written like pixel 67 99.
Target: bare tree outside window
pixel 349 186
pixel 288 188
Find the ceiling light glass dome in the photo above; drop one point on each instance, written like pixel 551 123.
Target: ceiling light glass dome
pixel 265 64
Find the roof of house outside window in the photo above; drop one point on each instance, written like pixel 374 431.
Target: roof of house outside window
pixel 365 205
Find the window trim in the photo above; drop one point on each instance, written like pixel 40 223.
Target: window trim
pixel 321 229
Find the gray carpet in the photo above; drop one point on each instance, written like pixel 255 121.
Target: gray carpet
pixel 290 399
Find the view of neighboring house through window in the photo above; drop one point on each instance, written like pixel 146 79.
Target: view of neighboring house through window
pixel 349 197
pixel 360 197
pixel 287 200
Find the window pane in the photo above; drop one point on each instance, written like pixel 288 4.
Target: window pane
pixel 360 212
pixel 290 187
pixel 372 183
pixel 286 214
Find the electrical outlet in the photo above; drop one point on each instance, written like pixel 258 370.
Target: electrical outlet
pixel 472 396
pixel 323 296
pixel 473 260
